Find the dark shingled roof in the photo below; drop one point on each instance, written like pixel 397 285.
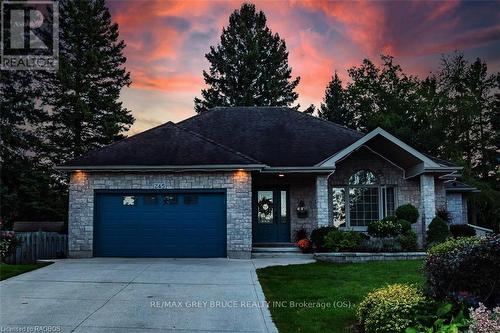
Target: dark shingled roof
pixel 163 145
pixel 276 136
pixel 456 186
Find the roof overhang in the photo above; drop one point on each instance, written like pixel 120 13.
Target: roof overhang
pixel 379 141
pixel 298 170
pixel 171 168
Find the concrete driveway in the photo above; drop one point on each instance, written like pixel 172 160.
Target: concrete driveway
pixel 137 295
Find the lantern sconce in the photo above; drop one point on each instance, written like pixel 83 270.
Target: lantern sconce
pixel 301 210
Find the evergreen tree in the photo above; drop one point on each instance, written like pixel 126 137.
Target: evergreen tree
pixel 249 67
pixel 334 107
pixel 27 190
pixel 382 97
pixel 83 94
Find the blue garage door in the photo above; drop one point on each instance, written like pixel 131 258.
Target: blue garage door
pixel 189 225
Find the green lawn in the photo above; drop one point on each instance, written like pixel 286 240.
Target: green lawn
pixel 7 271
pixel 337 284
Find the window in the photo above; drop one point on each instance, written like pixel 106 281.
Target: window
pixel 265 207
pixel 338 207
pixel 150 200
pixel 128 200
pixel 170 200
pixel 284 213
pixel 362 201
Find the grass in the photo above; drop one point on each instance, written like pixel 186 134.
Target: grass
pixel 7 271
pixel 341 285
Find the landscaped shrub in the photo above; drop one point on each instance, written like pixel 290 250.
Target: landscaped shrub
pixel 337 240
pixel 407 212
pixel 443 214
pixel 437 232
pixel 387 227
pixel 446 318
pixel 380 245
pixel 8 244
pixel 462 230
pixel 390 309
pixel 484 320
pixel 465 269
pixel 318 237
pixel 408 241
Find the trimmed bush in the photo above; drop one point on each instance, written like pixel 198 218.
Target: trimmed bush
pixel 390 309
pixel 408 241
pixel 443 214
pixel 407 212
pixel 387 227
pixel 462 230
pixel 337 240
pixel 438 231
pixel 318 237
pixel 465 270
pixel 381 245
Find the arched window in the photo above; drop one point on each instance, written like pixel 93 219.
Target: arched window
pixel 361 201
pixel 363 177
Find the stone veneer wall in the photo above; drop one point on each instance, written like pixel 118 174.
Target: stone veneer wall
pixel 303 189
pixel 239 203
pixel 454 205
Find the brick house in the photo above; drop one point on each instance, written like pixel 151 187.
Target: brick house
pixel 227 180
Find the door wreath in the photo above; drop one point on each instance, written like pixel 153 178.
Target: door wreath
pixel 265 206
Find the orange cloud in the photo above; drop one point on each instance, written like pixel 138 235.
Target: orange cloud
pixel 175 82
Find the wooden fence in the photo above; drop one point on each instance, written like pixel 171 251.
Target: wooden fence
pixel 39 245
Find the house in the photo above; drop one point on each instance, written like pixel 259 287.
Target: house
pixel 219 183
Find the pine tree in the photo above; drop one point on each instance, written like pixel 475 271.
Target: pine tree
pixel 249 67
pixel 27 190
pixel 84 93
pixel 334 107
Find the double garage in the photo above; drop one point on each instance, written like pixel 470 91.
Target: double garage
pixel 156 223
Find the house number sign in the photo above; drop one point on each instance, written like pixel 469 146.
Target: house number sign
pixel 159 186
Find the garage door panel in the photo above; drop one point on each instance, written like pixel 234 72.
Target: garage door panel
pixel 152 227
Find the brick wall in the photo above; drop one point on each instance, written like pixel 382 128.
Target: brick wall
pixel 237 184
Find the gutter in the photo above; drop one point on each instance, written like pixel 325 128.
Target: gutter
pixel 175 168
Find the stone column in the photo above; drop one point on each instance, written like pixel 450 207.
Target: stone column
pixel 322 201
pixel 427 199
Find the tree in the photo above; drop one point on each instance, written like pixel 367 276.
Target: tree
pixel 310 109
pixel 249 67
pixel 382 97
pixel 471 113
pixel 83 94
pixel 27 190
pixel 334 107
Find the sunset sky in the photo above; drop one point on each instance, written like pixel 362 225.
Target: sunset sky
pixel 167 40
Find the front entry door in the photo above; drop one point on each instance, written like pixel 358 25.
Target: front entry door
pixel 271 222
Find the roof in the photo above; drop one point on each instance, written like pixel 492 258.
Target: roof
pixel 275 136
pixel 456 186
pixel 279 138
pixel 165 145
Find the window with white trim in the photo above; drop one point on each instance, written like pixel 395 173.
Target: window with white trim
pixel 361 201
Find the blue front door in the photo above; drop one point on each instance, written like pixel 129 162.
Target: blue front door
pixel 160 224
pixel 271 215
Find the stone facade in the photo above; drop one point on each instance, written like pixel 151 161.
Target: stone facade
pixel 322 202
pixel 456 204
pixel 238 186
